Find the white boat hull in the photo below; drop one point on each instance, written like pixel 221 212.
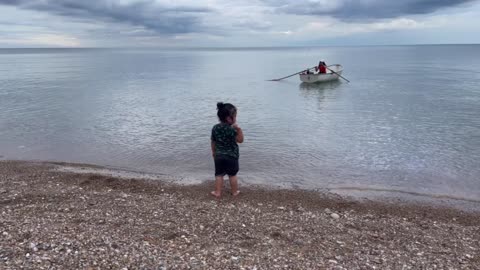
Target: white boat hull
pixel 323 77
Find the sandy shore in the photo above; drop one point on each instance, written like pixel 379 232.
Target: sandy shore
pixel 61 220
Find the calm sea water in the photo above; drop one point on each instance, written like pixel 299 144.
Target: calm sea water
pixel 409 120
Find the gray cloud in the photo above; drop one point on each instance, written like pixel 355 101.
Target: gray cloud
pixel 146 13
pixel 351 10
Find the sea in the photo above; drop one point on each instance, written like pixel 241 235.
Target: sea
pixel 407 123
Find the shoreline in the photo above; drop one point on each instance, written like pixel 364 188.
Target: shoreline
pixel 350 193
pixel 82 219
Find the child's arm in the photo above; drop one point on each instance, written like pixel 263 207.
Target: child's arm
pixel 239 137
pixel 213 148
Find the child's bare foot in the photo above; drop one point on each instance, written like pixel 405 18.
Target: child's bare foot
pixel 235 194
pixel 215 194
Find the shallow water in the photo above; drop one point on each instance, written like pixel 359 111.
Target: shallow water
pixel 409 121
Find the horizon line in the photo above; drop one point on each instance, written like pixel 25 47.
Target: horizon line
pixel 245 47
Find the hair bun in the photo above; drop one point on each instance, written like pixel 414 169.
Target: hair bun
pixel 220 105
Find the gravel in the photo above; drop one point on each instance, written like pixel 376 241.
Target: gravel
pixel 59 220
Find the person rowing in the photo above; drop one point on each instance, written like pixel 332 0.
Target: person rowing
pixel 322 67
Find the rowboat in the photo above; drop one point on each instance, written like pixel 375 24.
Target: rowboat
pixel 323 77
pixel 333 73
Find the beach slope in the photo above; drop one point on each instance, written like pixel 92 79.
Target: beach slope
pixel 62 220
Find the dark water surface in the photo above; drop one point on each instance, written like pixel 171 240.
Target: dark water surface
pixel 409 121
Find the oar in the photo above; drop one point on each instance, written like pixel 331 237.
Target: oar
pixel 276 80
pixel 337 74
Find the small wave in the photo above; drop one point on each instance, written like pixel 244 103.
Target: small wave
pixel 432 196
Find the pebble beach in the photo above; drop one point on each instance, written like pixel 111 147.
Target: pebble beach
pixel 53 219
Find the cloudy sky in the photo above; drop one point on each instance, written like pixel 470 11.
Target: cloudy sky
pixel 237 23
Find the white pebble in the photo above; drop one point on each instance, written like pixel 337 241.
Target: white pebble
pixel 335 216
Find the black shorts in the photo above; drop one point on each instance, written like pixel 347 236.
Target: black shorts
pixel 226 165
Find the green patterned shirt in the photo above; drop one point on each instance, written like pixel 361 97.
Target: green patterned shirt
pixel 225 138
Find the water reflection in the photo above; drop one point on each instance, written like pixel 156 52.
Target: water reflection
pixel 319 91
pixel 320 86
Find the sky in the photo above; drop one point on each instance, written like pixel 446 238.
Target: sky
pixel 239 23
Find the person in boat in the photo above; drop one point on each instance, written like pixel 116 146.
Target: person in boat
pixel 322 67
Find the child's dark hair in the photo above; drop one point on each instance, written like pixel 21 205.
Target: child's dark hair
pixel 225 110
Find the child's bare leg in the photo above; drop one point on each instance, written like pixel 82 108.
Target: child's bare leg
pixel 234 185
pixel 218 186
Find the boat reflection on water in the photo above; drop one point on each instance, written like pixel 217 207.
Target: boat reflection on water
pixel 320 86
pixel 320 92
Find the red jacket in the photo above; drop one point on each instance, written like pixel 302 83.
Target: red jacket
pixel 322 69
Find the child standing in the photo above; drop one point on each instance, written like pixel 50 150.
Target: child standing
pixel 224 139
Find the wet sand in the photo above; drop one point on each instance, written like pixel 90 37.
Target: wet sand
pixel 56 219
